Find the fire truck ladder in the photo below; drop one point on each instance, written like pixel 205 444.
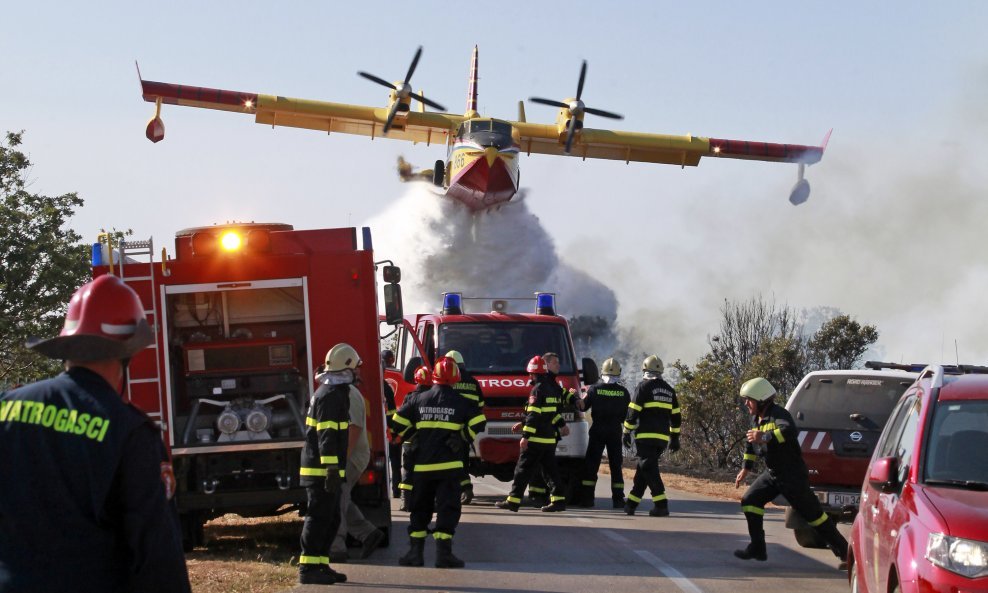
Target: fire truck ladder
pixel 144 285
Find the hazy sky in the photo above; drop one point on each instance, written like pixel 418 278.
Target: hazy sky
pixel 891 234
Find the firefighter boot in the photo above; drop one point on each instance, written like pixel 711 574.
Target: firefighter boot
pixel 444 555
pixel 588 500
pixel 660 508
pixel 317 574
pixel 838 545
pixel 617 500
pixel 630 506
pixel 555 506
pixel 756 549
pixel 507 504
pixel 414 555
pixel 466 496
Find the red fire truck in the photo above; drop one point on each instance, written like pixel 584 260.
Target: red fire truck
pixel 496 347
pixel 243 316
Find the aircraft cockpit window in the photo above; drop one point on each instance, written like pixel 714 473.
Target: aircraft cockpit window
pixel 500 127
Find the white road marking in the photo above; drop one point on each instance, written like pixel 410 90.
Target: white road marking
pixel 671 573
pixel 610 534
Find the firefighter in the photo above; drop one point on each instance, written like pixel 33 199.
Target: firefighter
pixel 394 445
pixel 324 460
pixel 469 388
pixel 86 479
pixel 352 520
pixel 538 491
pixel 443 424
pixel 423 383
pixel 654 419
pixel 774 436
pixel 539 432
pixel 608 401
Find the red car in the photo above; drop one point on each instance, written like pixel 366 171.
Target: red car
pixel 923 523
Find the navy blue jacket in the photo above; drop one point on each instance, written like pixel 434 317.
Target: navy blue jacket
pixel 83 503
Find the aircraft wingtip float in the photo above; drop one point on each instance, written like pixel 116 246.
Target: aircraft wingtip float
pixel 481 169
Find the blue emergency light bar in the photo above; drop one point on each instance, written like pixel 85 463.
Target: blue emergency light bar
pixel 545 303
pixel 452 303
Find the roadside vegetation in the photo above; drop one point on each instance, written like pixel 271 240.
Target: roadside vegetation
pixel 44 261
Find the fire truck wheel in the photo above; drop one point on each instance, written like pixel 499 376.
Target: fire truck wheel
pixel 192 530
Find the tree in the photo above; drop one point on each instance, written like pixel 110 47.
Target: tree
pixel 43 263
pixel 840 343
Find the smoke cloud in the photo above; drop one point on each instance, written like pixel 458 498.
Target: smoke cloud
pixel 443 247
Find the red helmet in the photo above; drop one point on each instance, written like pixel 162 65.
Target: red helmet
pixel 423 376
pixel 105 321
pixel 536 366
pixel 445 372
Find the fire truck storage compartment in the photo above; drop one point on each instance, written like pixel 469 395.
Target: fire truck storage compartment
pixel 238 362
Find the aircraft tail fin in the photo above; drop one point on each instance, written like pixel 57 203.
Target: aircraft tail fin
pixel 472 87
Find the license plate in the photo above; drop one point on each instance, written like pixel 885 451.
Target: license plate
pixel 842 499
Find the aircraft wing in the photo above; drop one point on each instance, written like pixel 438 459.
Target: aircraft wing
pixel 303 113
pixel 685 150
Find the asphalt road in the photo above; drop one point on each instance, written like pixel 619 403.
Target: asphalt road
pixel 601 549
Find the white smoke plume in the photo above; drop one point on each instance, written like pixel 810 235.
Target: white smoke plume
pixel 443 247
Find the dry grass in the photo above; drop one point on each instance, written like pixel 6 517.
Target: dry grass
pixel 254 555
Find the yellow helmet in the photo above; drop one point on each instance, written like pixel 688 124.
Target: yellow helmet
pixel 342 356
pixel 652 364
pixel 758 389
pixel 611 368
pixel 455 355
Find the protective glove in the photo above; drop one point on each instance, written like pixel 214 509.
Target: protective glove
pixel 674 443
pixel 333 481
pixel 456 443
pixel 626 439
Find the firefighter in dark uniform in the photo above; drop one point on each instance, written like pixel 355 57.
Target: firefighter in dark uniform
pixel 86 480
pixel 538 491
pixel 608 402
pixel 443 423
pixel 423 383
pixel 774 436
pixel 654 419
pixel 323 469
pixel 539 432
pixel 469 388
pixel 394 445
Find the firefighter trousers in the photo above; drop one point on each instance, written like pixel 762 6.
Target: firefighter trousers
pixel 407 463
pixel 439 494
pixel 600 440
pixel 647 472
pixel 795 488
pixel 322 521
pixel 394 455
pixel 537 458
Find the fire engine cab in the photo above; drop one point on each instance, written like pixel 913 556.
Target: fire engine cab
pixel 243 315
pixel 496 347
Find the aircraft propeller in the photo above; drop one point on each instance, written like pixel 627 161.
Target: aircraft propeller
pixel 403 91
pixel 576 108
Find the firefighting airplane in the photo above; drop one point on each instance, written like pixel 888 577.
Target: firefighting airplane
pixel 481 169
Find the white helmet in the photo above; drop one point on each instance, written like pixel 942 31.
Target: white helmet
pixel 611 368
pixel 652 364
pixel 758 389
